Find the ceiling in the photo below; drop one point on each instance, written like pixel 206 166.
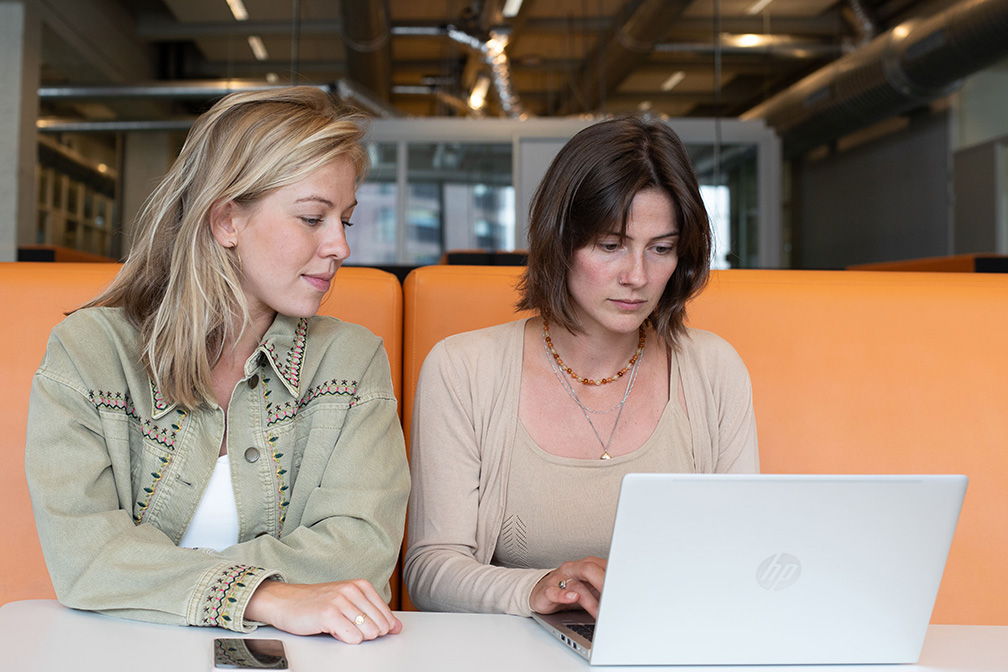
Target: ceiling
pixel 423 58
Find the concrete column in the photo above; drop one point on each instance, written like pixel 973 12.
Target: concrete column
pixel 20 62
pixel 147 156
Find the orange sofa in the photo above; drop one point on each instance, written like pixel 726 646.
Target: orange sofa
pixel 852 372
pixel 34 297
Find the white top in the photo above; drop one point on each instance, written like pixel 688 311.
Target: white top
pixel 215 523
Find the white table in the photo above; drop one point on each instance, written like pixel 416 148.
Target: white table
pixel 42 636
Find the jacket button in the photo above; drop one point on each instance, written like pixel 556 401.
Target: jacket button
pixel 251 454
pixel 253 381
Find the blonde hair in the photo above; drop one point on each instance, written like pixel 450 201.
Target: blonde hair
pixel 179 286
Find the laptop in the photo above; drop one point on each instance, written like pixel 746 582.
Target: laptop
pixel 770 569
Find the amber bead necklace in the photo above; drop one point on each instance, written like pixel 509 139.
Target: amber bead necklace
pixel 642 336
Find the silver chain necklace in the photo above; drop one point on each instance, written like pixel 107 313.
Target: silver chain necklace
pixel 584 409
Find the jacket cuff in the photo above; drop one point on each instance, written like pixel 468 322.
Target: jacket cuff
pixel 222 595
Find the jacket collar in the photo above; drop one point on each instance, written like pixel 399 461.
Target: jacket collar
pixel 283 346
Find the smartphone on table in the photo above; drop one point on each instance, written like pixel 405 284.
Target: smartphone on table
pixel 249 653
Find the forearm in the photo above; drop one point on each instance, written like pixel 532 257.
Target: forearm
pixel 445 580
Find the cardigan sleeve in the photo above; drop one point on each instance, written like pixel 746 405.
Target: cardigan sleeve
pixel 455 451
pixel 720 400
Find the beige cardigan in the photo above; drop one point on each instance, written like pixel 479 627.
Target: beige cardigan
pixel 464 421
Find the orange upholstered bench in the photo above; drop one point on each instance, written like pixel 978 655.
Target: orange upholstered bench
pixel 34 297
pixel 852 372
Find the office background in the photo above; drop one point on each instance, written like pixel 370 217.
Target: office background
pixel 826 133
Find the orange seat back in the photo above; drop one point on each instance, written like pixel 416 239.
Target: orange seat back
pixel 34 297
pixel 852 372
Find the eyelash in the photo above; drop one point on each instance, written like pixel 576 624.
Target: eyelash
pixel 315 221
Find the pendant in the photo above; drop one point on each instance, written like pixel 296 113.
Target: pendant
pixel 605 455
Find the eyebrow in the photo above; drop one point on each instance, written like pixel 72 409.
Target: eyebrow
pixel 324 201
pixel 670 234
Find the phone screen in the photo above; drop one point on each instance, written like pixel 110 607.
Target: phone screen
pixel 249 653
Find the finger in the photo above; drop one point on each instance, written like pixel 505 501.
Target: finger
pixel 591 574
pixel 347 631
pixel 373 621
pixel 589 603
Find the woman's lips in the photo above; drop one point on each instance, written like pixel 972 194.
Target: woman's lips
pixel 627 305
pixel 318 282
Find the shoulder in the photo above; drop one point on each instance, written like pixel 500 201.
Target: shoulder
pixel 487 354
pixel 494 345
pixel 96 334
pixel 95 348
pixel 487 341
pixel 327 332
pixel 710 355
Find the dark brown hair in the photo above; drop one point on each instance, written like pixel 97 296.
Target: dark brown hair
pixel 586 193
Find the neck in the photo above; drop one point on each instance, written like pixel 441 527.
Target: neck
pixel 594 355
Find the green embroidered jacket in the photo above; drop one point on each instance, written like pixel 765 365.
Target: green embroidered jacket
pixel 115 473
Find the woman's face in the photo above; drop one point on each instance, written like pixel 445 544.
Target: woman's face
pixel 615 285
pixel 292 242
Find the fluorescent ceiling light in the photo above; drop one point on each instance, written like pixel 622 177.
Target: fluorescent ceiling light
pixel 511 8
pixel 258 48
pixel 758 7
pixel 673 80
pixel 238 9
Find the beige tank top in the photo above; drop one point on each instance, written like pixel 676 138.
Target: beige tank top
pixel 563 508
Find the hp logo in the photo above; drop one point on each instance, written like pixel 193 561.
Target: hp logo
pixel 778 571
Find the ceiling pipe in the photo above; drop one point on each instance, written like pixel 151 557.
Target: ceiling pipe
pixel 906 67
pixel 493 54
pixel 347 91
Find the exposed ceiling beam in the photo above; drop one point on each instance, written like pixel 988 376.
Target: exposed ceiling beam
pixel 635 30
pixel 367 36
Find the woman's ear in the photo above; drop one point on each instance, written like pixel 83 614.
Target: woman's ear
pixel 223 224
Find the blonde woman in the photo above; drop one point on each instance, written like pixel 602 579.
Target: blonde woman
pixel 522 432
pixel 202 448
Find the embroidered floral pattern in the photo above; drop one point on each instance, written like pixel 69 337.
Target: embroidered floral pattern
pixel 287 411
pixel 281 484
pixel 163 436
pixel 291 368
pixel 166 439
pixel 159 401
pixel 217 608
pixel 115 401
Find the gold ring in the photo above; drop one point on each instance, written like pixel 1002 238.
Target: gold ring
pixel 563 584
pixel 359 621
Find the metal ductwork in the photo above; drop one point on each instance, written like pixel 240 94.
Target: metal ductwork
pixel 347 91
pixel 908 66
pixel 493 54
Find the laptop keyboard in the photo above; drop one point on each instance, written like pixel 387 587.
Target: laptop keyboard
pixel 586 630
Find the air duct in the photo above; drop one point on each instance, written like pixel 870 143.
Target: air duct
pixel 906 67
pixel 493 54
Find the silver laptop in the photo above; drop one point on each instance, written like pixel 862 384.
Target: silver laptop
pixel 770 569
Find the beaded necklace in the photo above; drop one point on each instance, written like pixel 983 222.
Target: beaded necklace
pixel 642 336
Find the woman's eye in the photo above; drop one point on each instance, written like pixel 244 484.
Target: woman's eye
pixel 312 221
pixel 609 246
pixel 664 249
pixel 347 223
